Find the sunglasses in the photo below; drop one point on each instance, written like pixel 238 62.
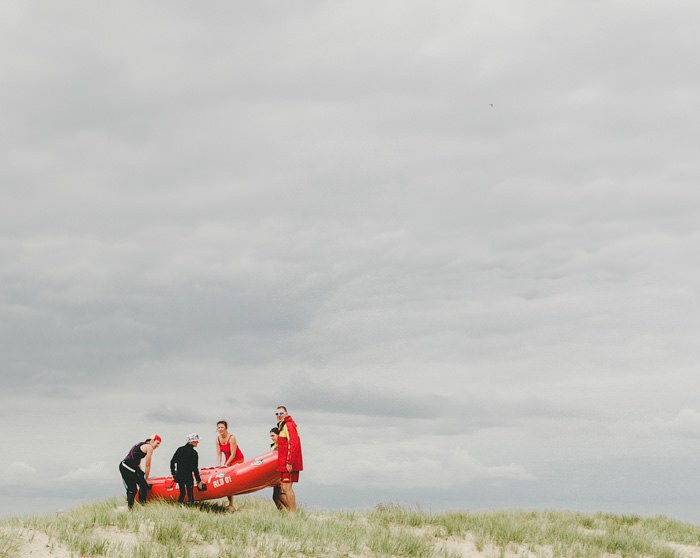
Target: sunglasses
pixel 280 413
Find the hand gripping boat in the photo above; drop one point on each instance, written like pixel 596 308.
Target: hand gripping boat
pixel 241 478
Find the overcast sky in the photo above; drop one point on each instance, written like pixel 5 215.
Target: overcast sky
pixel 458 240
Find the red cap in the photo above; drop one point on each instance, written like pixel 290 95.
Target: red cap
pixel 157 438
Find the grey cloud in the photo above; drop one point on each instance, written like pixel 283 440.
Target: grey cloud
pixel 359 399
pixel 429 411
pixel 241 192
pixel 174 415
pixel 101 312
pixel 61 392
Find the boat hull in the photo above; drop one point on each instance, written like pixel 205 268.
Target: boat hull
pixel 241 478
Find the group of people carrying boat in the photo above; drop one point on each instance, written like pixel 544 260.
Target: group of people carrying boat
pixel 184 465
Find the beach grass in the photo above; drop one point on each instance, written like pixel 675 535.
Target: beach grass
pixel 9 543
pixel 166 530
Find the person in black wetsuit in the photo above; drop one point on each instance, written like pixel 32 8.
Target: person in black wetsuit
pixel 184 466
pixel 131 471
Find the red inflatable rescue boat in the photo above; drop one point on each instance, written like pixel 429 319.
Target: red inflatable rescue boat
pixel 241 478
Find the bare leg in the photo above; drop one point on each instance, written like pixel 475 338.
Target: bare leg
pixel 289 499
pixel 283 497
pixel 230 504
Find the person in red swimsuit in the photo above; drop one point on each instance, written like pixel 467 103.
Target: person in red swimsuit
pixel 227 446
pixel 289 458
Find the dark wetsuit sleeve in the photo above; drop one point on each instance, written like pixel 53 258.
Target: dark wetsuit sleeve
pixel 173 461
pixel 196 467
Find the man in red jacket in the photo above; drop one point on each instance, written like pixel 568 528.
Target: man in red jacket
pixel 289 460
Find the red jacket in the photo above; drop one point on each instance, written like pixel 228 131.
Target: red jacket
pixel 289 446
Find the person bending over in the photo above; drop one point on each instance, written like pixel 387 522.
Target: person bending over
pixel 130 469
pixel 184 466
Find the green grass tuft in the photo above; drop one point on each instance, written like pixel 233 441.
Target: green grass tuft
pixel 166 530
pixel 9 544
